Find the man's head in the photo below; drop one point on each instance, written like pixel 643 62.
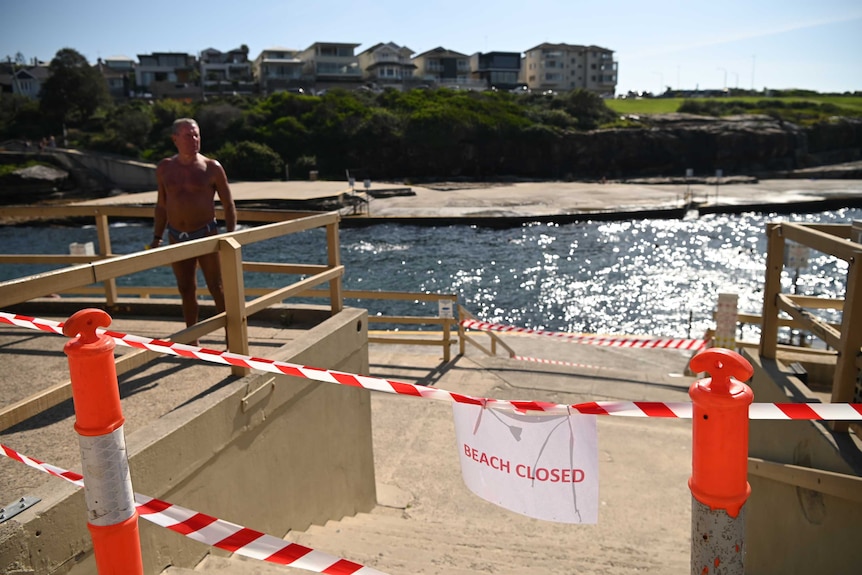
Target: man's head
pixel 186 136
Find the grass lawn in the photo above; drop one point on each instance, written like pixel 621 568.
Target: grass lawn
pixel 852 104
pixel 645 105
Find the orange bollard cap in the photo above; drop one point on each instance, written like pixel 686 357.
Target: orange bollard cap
pixel 722 364
pixel 83 324
pixel 719 459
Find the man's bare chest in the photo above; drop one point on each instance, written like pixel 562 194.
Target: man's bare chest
pixel 188 181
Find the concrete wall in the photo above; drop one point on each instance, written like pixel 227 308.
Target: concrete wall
pixel 127 175
pixel 791 529
pixel 300 453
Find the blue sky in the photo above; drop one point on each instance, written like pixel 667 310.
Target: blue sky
pixel 686 44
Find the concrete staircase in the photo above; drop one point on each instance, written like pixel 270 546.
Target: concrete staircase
pixel 428 523
pixel 397 543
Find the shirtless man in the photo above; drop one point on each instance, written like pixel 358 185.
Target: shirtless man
pixel 188 182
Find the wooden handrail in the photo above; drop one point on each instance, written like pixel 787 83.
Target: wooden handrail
pixel 841 485
pixel 846 338
pixel 495 339
pixel 106 267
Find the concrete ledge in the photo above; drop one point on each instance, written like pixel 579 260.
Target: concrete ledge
pixel 295 454
pixel 818 531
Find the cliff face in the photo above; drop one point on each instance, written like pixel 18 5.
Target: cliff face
pixel 669 144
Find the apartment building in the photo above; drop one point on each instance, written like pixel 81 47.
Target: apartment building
pixel 226 72
pixel 500 70
pixel 168 75
pixel 441 67
pixel 563 67
pixel 387 66
pixel 119 74
pixel 331 65
pixel 278 69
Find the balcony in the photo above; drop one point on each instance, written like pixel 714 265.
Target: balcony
pixel 338 69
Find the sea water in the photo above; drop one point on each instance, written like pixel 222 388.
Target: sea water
pixel 646 276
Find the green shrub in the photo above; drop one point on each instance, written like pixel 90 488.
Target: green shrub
pixel 250 161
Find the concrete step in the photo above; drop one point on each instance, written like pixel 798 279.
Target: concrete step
pixel 234 565
pixel 394 542
pixel 399 544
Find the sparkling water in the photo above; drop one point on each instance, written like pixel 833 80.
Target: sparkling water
pixel 648 276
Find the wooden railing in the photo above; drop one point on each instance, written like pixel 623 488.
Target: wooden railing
pixel 494 338
pixel 106 267
pixel 845 338
pixel 443 337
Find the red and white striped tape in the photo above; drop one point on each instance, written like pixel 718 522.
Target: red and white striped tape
pixel 217 532
pixel 825 411
pixel 556 362
pixel 605 340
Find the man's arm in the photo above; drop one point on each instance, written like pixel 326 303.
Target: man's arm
pixel 160 215
pixel 224 195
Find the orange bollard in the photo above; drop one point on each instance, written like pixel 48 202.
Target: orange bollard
pixel 111 513
pixel 719 461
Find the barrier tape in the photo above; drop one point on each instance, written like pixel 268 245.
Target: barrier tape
pixel 682 410
pixel 556 362
pixel 604 340
pixel 217 532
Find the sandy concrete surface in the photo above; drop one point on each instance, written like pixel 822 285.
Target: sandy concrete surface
pixel 550 198
pixel 517 200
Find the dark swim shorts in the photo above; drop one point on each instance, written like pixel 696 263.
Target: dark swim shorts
pixel 207 230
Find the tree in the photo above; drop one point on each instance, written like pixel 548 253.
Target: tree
pixel 250 161
pixel 589 108
pixel 20 118
pixel 131 124
pixel 74 90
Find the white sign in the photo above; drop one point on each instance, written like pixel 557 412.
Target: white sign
pixel 444 308
pixel 83 249
pixel 367 184
pixel 796 255
pixel 719 173
pixel 726 317
pixel 546 467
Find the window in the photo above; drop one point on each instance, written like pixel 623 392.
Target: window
pixel 504 77
pixel 553 77
pixel 506 61
pixel 389 72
